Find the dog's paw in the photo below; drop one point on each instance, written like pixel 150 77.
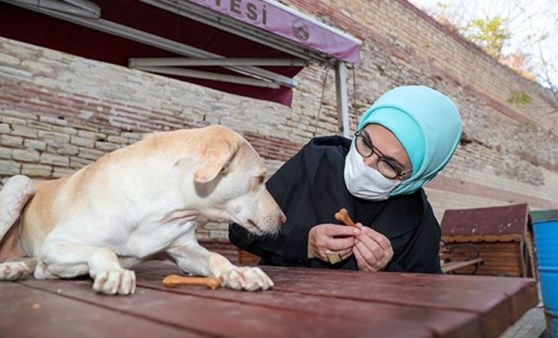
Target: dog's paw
pixel 121 281
pixel 13 271
pixel 246 278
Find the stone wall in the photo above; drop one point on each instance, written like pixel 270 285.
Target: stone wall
pixel 59 112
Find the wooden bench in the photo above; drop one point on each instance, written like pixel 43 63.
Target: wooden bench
pixel 461 259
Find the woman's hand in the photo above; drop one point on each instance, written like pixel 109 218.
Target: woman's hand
pixel 372 250
pixel 331 237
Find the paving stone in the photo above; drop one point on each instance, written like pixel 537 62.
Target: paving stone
pixel 531 325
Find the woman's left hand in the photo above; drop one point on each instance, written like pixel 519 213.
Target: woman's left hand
pixel 372 250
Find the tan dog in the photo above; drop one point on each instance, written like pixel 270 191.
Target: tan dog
pixel 136 202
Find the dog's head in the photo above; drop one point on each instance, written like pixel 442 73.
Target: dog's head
pixel 229 177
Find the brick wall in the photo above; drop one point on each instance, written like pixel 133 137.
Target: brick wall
pixel 59 112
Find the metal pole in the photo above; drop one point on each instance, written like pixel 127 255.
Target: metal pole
pixel 342 101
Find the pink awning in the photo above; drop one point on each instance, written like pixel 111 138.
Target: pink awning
pixel 278 19
pixel 228 29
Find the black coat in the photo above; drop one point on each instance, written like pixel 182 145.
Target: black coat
pixel 310 188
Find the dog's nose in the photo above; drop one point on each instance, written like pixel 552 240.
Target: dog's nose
pixel 282 219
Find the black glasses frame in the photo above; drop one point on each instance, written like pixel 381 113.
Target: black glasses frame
pixel 387 166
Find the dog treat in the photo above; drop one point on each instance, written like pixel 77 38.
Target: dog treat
pixel 343 216
pixel 175 280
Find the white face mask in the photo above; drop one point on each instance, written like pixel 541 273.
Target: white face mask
pixel 366 182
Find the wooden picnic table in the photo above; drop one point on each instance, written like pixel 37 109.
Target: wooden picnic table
pixel 303 303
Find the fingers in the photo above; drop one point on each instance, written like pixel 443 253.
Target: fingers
pixel 373 251
pixel 336 230
pixel 368 236
pixel 362 263
pixel 331 237
pixel 346 253
pixel 366 259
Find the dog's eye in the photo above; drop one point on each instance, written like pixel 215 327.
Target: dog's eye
pixel 256 182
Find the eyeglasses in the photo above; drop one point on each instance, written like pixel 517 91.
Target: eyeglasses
pixel 387 166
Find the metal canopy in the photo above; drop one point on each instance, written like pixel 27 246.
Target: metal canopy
pixel 251 48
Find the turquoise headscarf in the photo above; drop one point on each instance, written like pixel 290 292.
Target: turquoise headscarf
pixel 428 125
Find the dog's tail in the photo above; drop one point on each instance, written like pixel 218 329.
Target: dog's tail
pixel 13 197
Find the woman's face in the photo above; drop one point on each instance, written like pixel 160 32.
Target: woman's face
pixel 386 143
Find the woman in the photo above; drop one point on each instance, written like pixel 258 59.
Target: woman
pixel 406 138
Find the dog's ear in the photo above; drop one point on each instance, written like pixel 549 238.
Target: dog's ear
pixel 215 159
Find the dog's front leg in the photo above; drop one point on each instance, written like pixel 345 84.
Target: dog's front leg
pixel 67 260
pixel 195 259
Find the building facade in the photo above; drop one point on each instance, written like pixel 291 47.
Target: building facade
pixel 59 112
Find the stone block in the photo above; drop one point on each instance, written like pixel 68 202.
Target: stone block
pixel 24 131
pixel 39 125
pixel 26 155
pixel 9 59
pixel 62 172
pixel 55 160
pixel 6 153
pixel 4 128
pixel 110 132
pixel 133 137
pixel 82 141
pixel 36 67
pixel 50 137
pixel 107 146
pixel 11 141
pixel 36 170
pixel 14 121
pixel 16 73
pixel 118 139
pixel 63 149
pixel 19 114
pixel 53 121
pixel 9 168
pixel 65 130
pixel 92 135
pixel 34 144
pixel 90 154
pixel 78 162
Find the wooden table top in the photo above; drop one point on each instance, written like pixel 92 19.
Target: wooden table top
pixel 303 303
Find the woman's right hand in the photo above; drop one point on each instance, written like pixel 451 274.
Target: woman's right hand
pixel 331 237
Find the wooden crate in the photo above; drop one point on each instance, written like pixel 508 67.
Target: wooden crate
pixel 503 235
pixel 503 259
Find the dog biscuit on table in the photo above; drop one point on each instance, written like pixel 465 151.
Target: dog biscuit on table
pixel 175 280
